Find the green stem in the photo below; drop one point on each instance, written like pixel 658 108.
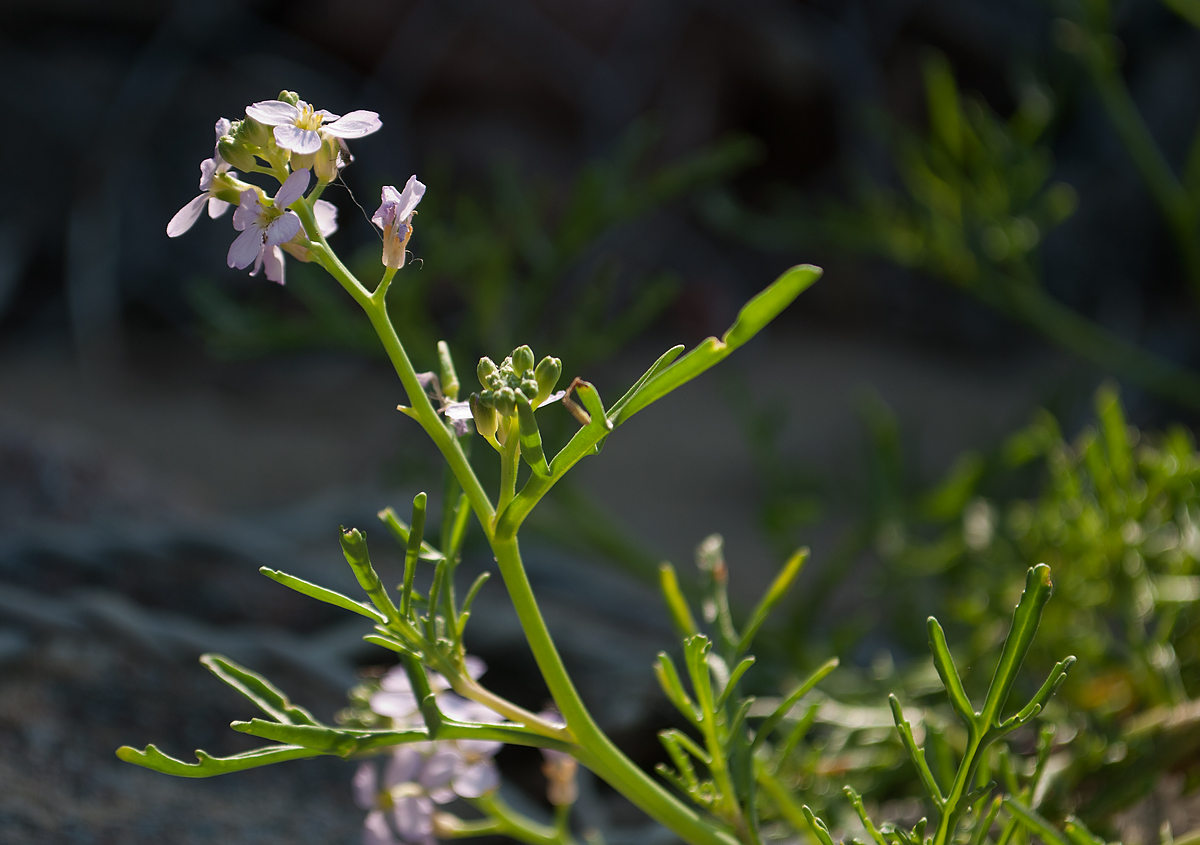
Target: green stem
pixel 510 461
pixel 962 779
pixel 376 310
pixel 598 752
pixel 511 823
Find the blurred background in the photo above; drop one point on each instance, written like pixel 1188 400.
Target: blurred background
pixel 1004 195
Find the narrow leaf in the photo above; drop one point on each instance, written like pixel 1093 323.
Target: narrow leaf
pixel 672 686
pixel 400 531
pixel 775 593
pixel 1026 618
pixel 915 753
pixel 818 826
pixel 734 677
pixel 531 437
pixel 681 614
pixel 857 802
pixel 772 721
pixel 1079 834
pixel 265 695
pixel 664 361
pixel 1034 823
pixel 322 594
pixel 944 663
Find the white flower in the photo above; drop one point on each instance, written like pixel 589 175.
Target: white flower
pixel 264 227
pixel 301 129
pixel 394 216
pixel 210 169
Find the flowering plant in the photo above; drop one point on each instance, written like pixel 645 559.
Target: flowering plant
pixel 433 722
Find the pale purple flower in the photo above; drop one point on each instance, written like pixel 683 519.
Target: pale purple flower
pixel 301 128
pixel 264 227
pixel 210 169
pixel 397 701
pixel 394 216
pixel 459 414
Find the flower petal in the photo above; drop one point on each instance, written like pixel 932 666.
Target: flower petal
pixel 292 189
pixel 326 214
pixel 376 830
pixel 216 207
pixel 273 112
pixel 475 666
pixel 186 216
pixel 366 785
pixel 245 249
pixel 354 125
pixel 396 680
pixel 282 229
pixel 404 766
pixel 399 704
pixel 273 261
pixel 413 191
pixel 440 769
pixel 249 211
pixel 222 127
pixel 413 816
pixel 477 780
pixel 303 141
pixel 326 115
pixel 208 169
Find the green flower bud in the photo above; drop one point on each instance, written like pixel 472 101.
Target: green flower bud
pixel 251 133
pixel 522 360
pixel 548 372
pixel 303 161
pixel 289 97
pixel 449 377
pixel 238 156
pixel 529 387
pixel 325 160
pixel 506 401
pixel 486 421
pixel 486 372
pixel 488 397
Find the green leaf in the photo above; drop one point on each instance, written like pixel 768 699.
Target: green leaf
pixel 944 663
pixel 772 721
pixel 531 437
pixel 915 753
pixel 1079 834
pixel 412 552
pixel 152 758
pixel 322 594
pixel 672 687
pixel 756 313
pixel 818 826
pixel 401 531
pixel 1026 618
pixel 1057 675
pixel 664 361
pixel 681 614
pixel 328 740
pixel 778 589
pixel 734 677
pixel 354 549
pixel 857 803
pixel 1033 822
pixel 265 696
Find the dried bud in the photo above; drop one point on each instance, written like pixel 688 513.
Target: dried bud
pixel 522 360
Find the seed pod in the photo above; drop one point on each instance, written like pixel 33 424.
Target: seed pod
pixel 522 360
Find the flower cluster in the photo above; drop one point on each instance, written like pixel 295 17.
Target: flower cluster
pixel 417 777
pixel 288 139
pixel 516 381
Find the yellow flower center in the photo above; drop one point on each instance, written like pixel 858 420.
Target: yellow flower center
pixel 308 119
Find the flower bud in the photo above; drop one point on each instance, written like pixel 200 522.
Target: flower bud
pixel 486 420
pixel 250 133
pixel 326 161
pixel 547 374
pixel 488 398
pixel 486 372
pixel 522 360
pixel 449 377
pixel 236 153
pixel 289 97
pixel 506 401
pixel 529 387
pixel 303 161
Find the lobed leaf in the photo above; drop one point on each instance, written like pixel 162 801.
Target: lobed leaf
pixel 1026 619
pixel 209 766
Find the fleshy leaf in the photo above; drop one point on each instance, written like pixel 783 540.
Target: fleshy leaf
pixel 322 594
pixel 265 695
pixel 209 766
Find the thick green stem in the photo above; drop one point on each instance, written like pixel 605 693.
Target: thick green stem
pixel 599 753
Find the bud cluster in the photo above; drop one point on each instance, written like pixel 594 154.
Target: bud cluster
pixel 516 381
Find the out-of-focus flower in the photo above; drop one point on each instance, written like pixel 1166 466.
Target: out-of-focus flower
pixel 394 216
pixel 211 171
pixel 264 227
pixel 397 701
pixel 301 128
